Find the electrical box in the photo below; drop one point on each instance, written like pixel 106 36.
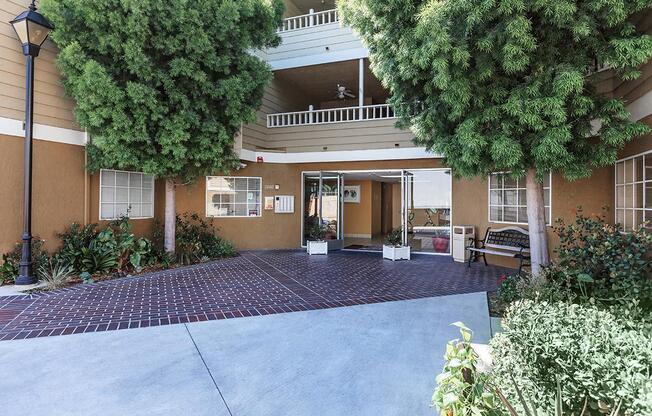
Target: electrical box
pixel 284 204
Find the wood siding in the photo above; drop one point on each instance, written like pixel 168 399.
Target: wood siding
pixel 315 41
pixel 51 107
pixel 381 134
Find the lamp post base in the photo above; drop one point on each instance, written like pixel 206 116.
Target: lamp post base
pixel 26 280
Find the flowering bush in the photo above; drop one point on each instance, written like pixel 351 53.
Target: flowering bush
pixel 598 262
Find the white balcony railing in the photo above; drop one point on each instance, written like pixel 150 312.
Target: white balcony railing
pixel 309 20
pixel 331 115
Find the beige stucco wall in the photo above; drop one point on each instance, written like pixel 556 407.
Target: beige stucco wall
pixel 58 190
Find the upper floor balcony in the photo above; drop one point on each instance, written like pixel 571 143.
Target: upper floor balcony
pixel 328 107
pixel 312 34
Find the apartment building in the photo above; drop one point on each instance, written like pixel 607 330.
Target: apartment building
pixel 325 146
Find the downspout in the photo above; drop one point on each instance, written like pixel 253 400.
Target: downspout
pixel 87 203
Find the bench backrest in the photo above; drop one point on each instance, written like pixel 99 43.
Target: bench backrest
pixel 508 238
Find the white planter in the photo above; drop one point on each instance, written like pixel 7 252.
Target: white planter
pixel 317 247
pixel 396 253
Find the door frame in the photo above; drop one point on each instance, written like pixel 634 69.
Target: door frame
pixel 397 170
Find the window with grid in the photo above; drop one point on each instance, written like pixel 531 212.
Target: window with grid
pixel 508 202
pixel 233 196
pixel 126 194
pixel 634 191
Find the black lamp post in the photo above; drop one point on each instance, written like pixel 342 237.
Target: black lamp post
pixel 32 30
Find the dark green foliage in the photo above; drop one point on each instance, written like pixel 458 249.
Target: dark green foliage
pixel 508 288
pixel 503 85
pixel 114 248
pixel 316 230
pixel 394 238
pixel 163 86
pixel 9 268
pixel 73 240
pixel 197 240
pixel 598 262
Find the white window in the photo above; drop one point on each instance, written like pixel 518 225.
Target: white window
pixel 508 202
pixel 634 190
pixel 228 196
pixel 126 194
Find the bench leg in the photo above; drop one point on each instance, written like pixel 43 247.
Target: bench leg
pixel 484 257
pixel 471 258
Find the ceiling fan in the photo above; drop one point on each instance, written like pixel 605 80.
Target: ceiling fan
pixel 343 92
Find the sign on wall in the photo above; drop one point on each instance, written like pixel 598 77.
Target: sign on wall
pixel 269 203
pixel 352 194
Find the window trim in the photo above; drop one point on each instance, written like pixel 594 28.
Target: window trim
pixel 643 182
pixel 260 190
pixel 99 196
pixel 489 205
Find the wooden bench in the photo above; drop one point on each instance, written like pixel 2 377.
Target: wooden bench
pixel 511 242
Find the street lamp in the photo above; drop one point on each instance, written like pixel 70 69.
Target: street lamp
pixel 32 30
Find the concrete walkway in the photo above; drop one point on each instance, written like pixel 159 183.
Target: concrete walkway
pixel 378 359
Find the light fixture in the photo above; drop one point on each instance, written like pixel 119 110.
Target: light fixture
pixel 32 30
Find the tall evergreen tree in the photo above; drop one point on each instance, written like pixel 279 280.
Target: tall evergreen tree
pixel 502 85
pixel 163 87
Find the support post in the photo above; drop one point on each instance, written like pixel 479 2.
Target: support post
pixel 312 17
pixel 361 88
pixel 26 274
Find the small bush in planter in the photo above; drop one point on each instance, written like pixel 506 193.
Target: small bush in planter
pixel 317 232
pixel 394 238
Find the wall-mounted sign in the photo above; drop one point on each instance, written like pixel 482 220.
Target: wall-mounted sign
pixel 352 194
pixel 269 203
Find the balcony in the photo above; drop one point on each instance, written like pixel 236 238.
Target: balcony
pixel 312 37
pixel 312 19
pixel 330 107
pixel 331 115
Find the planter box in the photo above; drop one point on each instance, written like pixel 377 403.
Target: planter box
pixel 396 253
pixel 317 247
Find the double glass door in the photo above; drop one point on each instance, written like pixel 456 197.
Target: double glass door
pixel 323 207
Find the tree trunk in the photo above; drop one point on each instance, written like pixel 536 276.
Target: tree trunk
pixel 170 216
pixel 536 219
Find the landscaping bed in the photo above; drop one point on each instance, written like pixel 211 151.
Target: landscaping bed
pixel 89 254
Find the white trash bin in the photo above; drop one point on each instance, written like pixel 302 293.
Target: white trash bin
pixel 461 236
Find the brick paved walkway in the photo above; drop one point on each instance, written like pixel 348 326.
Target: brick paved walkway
pixel 255 283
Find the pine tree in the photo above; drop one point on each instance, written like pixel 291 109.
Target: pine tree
pixel 503 85
pixel 163 87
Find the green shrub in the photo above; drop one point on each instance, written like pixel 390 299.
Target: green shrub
pixel 591 352
pixel 114 248
pixel 197 240
pixel 316 230
pixel 73 241
pixel 598 262
pixel 10 262
pixel 461 389
pixel 508 288
pixel 395 237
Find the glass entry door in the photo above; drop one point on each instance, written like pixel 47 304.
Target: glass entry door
pixel 323 204
pixel 407 189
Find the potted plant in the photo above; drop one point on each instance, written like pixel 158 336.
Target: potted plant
pixel 393 249
pixel 316 242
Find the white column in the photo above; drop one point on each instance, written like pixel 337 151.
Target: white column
pixel 361 87
pixel 312 17
pixel 311 108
